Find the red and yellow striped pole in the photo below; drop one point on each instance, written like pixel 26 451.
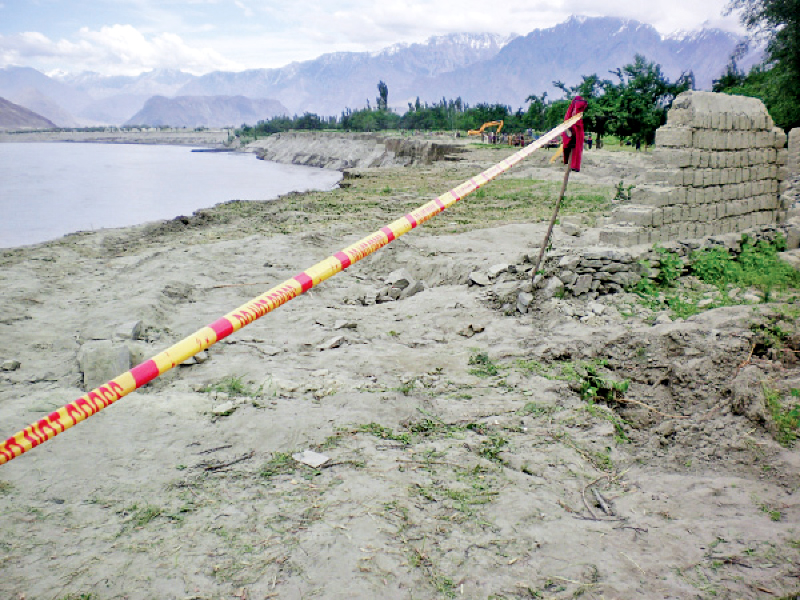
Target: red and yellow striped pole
pixel 105 395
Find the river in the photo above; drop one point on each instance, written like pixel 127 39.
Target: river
pixel 48 190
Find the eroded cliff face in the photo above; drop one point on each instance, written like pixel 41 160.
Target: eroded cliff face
pixel 346 151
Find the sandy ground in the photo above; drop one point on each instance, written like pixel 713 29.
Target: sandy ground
pixel 461 464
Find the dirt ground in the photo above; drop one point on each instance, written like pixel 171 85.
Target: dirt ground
pixel 463 460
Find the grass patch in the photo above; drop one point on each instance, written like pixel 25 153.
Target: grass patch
pixel 785 418
pixel 756 265
pixel 235 385
pixel 281 463
pixel 141 516
pixel 483 366
pixel 536 410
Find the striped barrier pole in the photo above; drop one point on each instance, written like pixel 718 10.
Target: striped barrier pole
pixel 99 398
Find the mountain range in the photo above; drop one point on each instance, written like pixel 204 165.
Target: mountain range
pixel 14 116
pixel 476 67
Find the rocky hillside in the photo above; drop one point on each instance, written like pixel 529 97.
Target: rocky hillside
pixel 13 116
pixel 205 111
pixel 491 70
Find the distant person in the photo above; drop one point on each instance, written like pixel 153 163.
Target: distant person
pixel 589 140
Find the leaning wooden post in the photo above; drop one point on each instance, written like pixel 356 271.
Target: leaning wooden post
pixel 552 221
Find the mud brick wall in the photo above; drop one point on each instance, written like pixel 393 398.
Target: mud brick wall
pixel 718 163
pixel 790 185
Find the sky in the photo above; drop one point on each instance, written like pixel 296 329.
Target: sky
pixel 128 37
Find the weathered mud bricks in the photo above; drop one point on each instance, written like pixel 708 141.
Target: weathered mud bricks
pixel 717 166
pixel 790 186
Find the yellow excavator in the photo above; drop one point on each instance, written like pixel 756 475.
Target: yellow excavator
pixel 499 125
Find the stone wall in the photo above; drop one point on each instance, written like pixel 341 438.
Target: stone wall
pixel 592 273
pixel 718 164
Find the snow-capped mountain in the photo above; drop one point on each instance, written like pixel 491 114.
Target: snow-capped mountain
pixel 477 67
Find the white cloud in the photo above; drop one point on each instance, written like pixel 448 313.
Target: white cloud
pixel 206 35
pixel 248 12
pixel 118 49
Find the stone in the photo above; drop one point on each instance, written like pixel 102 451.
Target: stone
pixel 498 269
pixel 399 279
pixel 479 278
pixel 313 459
pixel 224 409
pixel 524 299
pixel 569 262
pixel 287 385
pixel 597 308
pixel 506 291
pixel 553 288
pixel 197 359
pixel 662 319
pixel 100 361
pixel 582 285
pixel 415 288
pixel 334 342
pixel 345 325
pixel 571 229
pixel 10 365
pixel 471 330
pixel 129 331
pixel 568 277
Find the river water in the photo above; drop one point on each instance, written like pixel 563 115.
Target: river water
pixel 48 190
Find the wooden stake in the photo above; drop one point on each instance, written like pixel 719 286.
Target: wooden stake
pixel 552 221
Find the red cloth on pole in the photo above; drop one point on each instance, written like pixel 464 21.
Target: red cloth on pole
pixel 573 145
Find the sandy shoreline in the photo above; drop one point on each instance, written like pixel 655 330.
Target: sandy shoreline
pixel 209 138
pixel 446 478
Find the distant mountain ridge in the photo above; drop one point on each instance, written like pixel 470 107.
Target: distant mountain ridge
pixel 14 116
pixel 476 67
pixel 205 111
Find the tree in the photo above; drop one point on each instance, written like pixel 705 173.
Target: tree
pixel 731 78
pixel 383 96
pixel 777 80
pixel 638 103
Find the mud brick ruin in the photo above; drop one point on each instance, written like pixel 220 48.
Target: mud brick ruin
pixel 719 164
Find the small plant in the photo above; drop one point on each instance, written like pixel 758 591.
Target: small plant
pixel 786 420
pixel 623 193
pixel 593 386
pixel 492 447
pixel 532 408
pixel 281 463
pixel 234 385
pixel 670 268
pixel 139 517
pixel 385 433
pixel 774 513
pixel 484 366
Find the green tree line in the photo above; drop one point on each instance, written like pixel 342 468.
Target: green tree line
pixel 631 105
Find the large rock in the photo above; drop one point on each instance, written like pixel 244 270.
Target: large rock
pixel 101 361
